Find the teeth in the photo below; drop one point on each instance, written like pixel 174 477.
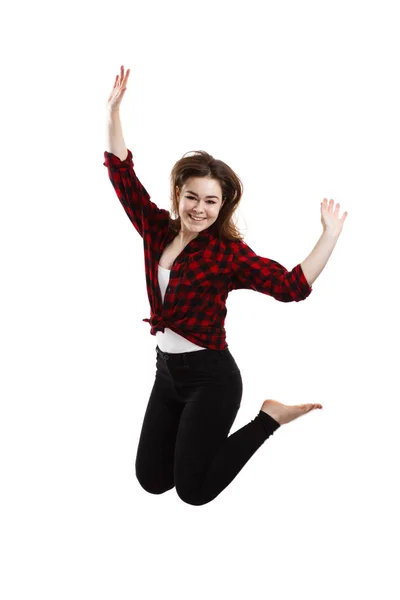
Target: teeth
pixel 196 218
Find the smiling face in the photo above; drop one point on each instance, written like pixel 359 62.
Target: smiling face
pixel 201 197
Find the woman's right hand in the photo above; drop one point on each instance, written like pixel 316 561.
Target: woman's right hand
pixel 118 90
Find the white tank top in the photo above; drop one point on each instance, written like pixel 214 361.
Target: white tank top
pixel 169 341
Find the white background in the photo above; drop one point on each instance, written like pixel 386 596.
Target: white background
pixel 301 99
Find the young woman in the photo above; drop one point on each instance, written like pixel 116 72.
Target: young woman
pixel 191 264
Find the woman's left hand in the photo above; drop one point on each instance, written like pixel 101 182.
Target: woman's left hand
pixel 330 218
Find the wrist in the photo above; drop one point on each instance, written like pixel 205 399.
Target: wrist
pixel 111 111
pixel 330 233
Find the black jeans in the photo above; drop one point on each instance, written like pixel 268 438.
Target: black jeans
pixel 184 440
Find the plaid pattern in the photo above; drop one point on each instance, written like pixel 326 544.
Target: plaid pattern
pixel 205 271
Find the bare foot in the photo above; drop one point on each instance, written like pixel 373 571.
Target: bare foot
pixel 283 413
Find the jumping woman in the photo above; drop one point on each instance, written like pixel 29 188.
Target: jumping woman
pixel 192 262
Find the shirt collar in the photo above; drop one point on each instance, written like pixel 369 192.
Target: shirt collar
pixel 206 234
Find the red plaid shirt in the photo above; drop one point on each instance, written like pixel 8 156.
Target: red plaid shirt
pixel 205 271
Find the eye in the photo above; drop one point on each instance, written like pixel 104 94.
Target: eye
pixel 193 198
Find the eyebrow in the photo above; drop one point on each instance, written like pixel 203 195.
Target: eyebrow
pixel 194 194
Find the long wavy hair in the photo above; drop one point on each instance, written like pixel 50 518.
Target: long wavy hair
pixel 202 164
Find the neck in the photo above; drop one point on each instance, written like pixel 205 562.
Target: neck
pixel 184 238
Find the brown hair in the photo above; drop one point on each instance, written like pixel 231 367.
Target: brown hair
pixel 202 164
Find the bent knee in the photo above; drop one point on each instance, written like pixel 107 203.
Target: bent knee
pixel 153 486
pixel 193 497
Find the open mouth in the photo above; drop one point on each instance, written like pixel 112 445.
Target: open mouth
pixel 197 220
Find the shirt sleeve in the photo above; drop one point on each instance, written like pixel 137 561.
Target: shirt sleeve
pixel 253 272
pixel 143 213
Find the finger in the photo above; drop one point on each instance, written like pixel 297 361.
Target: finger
pixel 344 217
pixel 337 209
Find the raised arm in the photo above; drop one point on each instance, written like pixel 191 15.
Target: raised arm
pixel 332 225
pixel 142 212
